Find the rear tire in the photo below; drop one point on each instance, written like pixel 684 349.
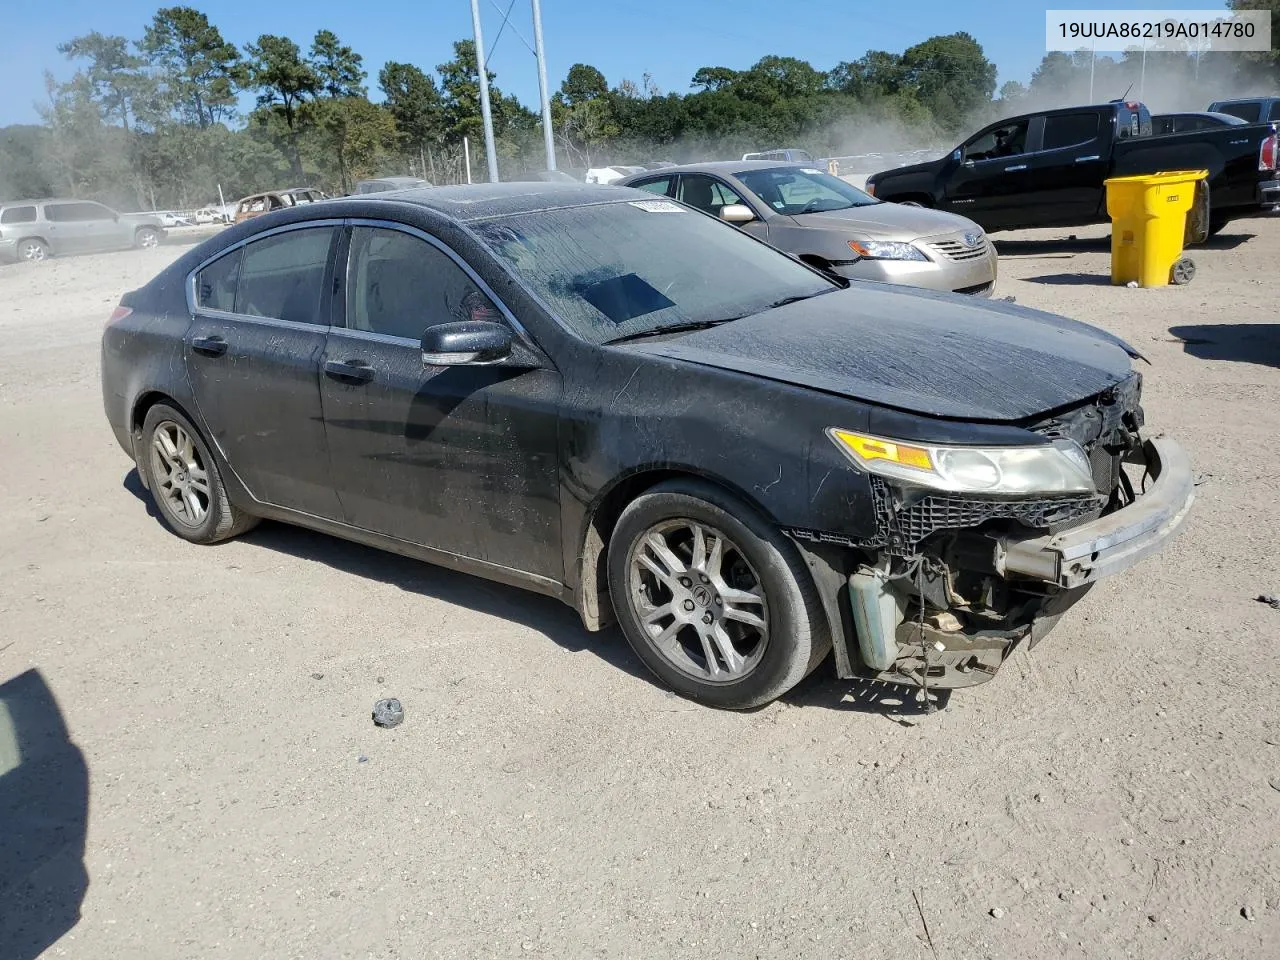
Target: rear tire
pixel 743 623
pixel 184 480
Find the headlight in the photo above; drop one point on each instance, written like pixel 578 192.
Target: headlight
pixel 885 250
pixel 1057 467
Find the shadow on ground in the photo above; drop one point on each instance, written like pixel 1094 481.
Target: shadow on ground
pixel 44 810
pixel 1063 247
pixel 1242 342
pixel 553 619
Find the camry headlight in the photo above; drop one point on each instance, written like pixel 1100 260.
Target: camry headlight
pixel 885 250
pixel 1057 467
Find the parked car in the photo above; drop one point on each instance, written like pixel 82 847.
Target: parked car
pixel 1163 123
pixel 1048 169
pixel 1250 109
pixel 383 184
pixel 216 214
pixel 169 220
pixel 35 229
pixel 611 174
pixel 833 225
pixel 554 176
pixel 783 154
pixel 607 397
pixel 259 203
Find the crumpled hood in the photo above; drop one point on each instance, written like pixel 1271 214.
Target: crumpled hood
pixel 891 221
pixel 937 354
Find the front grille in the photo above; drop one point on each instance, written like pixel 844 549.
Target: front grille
pixel 958 250
pixel 939 512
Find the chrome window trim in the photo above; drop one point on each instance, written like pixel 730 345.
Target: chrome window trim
pixel 193 306
pixel 444 248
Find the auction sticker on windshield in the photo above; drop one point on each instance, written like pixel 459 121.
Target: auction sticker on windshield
pixel 657 206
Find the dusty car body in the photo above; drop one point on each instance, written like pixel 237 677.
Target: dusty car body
pixel 612 399
pixel 386 184
pixel 31 230
pixel 257 204
pixel 835 226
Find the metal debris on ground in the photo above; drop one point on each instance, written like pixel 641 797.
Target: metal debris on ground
pixel 388 713
pixel 1270 601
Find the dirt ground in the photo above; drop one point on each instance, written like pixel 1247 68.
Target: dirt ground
pixel 1114 793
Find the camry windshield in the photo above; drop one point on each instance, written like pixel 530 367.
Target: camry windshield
pixel 795 190
pixel 616 271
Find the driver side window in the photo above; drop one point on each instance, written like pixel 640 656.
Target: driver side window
pixel 1006 140
pixel 398 285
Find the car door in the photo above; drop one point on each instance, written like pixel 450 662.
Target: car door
pixel 253 358
pixel 459 458
pixel 70 228
pixel 993 180
pixel 1068 167
pixel 712 195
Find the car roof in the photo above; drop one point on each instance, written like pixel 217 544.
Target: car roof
pixel 484 201
pixel 1227 118
pixel 727 167
pixel 1249 100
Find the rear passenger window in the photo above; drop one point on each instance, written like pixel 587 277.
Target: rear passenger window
pixel 659 187
pixel 216 283
pixel 1274 112
pixel 399 285
pixel 1069 129
pixel 281 276
pixel 18 215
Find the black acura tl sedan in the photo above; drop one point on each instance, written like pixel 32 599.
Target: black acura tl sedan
pixel 622 402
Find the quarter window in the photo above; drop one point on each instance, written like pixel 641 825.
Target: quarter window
pixel 1069 129
pixel 18 215
pixel 281 276
pixel 216 283
pixel 398 285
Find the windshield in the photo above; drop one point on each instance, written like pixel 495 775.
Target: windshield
pixel 614 270
pixel 795 190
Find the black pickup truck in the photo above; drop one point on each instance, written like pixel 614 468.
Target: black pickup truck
pixel 1048 169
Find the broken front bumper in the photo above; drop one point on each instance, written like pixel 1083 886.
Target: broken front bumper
pixel 1116 541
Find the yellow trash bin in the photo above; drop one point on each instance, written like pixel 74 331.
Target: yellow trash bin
pixel 1148 223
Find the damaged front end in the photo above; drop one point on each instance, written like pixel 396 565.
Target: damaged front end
pixel 952 583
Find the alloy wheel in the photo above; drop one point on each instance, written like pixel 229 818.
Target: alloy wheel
pixel 178 474
pixel 698 599
pixel 148 239
pixel 32 250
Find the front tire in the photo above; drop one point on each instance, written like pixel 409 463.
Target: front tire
pixel 33 251
pixel 184 480
pixel 712 598
pixel 146 238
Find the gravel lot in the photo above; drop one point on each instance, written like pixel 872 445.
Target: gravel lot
pixel 1115 793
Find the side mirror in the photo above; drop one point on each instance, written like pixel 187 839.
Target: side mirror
pixel 958 154
pixel 736 213
pixel 465 342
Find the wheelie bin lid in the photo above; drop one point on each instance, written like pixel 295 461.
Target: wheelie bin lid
pixel 1160 179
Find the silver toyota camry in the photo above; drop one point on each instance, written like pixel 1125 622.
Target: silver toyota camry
pixel 833 225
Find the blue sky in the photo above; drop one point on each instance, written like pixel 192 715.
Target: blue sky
pixel 623 38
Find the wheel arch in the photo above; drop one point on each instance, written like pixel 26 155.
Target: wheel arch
pixel 592 590
pixel 138 414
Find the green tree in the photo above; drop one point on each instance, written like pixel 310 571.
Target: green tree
pixel 582 83
pixel 414 101
pixel 877 73
pixel 114 73
pixel 346 137
pixel 199 69
pixel 951 76
pixel 713 78
pixel 340 69
pixel 284 81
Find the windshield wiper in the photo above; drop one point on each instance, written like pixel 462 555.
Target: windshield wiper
pixel 674 328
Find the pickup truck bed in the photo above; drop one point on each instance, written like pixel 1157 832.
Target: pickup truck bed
pixel 1048 169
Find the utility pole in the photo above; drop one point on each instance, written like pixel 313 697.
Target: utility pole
pixel 491 154
pixel 548 134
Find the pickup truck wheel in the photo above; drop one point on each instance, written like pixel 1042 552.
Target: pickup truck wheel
pixel 712 598
pixel 1217 225
pixel 146 237
pixel 184 480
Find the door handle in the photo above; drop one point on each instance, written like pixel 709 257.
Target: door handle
pixel 349 370
pixel 1087 159
pixel 1015 167
pixel 209 346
